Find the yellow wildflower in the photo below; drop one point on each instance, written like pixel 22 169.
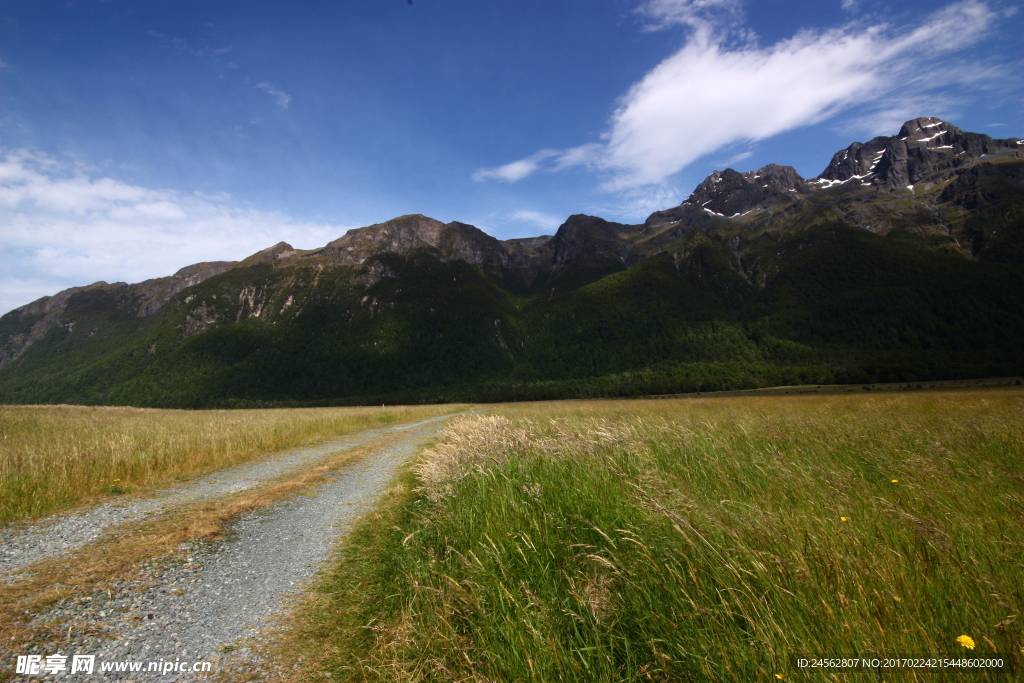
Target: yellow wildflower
pixel 895 481
pixel 966 641
pixel 897 598
pixel 779 676
pixel 117 480
pixel 842 519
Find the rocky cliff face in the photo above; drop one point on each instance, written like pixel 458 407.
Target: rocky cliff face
pixel 925 149
pixel 398 236
pixel 28 324
pixel 729 194
pixel 405 235
pixel 921 180
pixel 152 294
pixel 589 237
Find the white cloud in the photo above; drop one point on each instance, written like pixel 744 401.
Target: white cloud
pixel 665 13
pixel 542 220
pixel 706 96
pixel 851 5
pixel 929 93
pixel 517 170
pixel 713 93
pixel 886 117
pixel 283 98
pixel 64 225
pixel 736 158
pixel 584 155
pixel 640 201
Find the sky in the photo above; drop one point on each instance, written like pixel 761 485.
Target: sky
pixel 141 136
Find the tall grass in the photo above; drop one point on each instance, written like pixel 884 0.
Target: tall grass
pixel 53 458
pixel 692 540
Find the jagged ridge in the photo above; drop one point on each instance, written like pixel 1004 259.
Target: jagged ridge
pixel 725 245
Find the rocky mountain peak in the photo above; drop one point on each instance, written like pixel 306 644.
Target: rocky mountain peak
pixel 590 237
pixel 856 162
pixel 924 149
pixel 279 250
pixel 398 235
pixel 926 152
pixel 404 235
pixel 925 129
pixel 729 193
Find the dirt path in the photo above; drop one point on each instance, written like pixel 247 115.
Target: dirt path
pixel 22 545
pixel 196 608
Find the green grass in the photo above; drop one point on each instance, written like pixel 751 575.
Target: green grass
pixel 688 540
pixel 54 458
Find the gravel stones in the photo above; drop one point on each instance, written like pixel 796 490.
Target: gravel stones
pixel 21 545
pixel 203 604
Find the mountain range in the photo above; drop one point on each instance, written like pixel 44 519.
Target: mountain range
pixel 902 261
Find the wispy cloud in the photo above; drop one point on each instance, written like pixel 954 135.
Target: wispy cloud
pixel 639 201
pixel 283 98
pixel 543 221
pixel 182 45
pixel 65 224
pixel 584 155
pixel 695 13
pixel 736 158
pixel 517 170
pixel 715 91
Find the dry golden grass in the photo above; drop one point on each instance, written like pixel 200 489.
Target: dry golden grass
pixel 468 444
pixel 54 458
pixel 123 555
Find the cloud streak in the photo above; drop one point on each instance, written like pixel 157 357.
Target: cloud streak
pixel 284 100
pixel 696 13
pixel 517 170
pixel 64 223
pixel 182 45
pixel 542 220
pixel 711 94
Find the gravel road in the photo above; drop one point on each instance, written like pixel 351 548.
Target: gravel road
pixel 222 593
pixel 20 546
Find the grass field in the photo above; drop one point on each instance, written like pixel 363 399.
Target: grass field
pixel 688 540
pixel 53 458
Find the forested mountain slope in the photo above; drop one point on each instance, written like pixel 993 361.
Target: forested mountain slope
pixel 902 261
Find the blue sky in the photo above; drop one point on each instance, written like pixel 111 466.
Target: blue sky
pixel 139 136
